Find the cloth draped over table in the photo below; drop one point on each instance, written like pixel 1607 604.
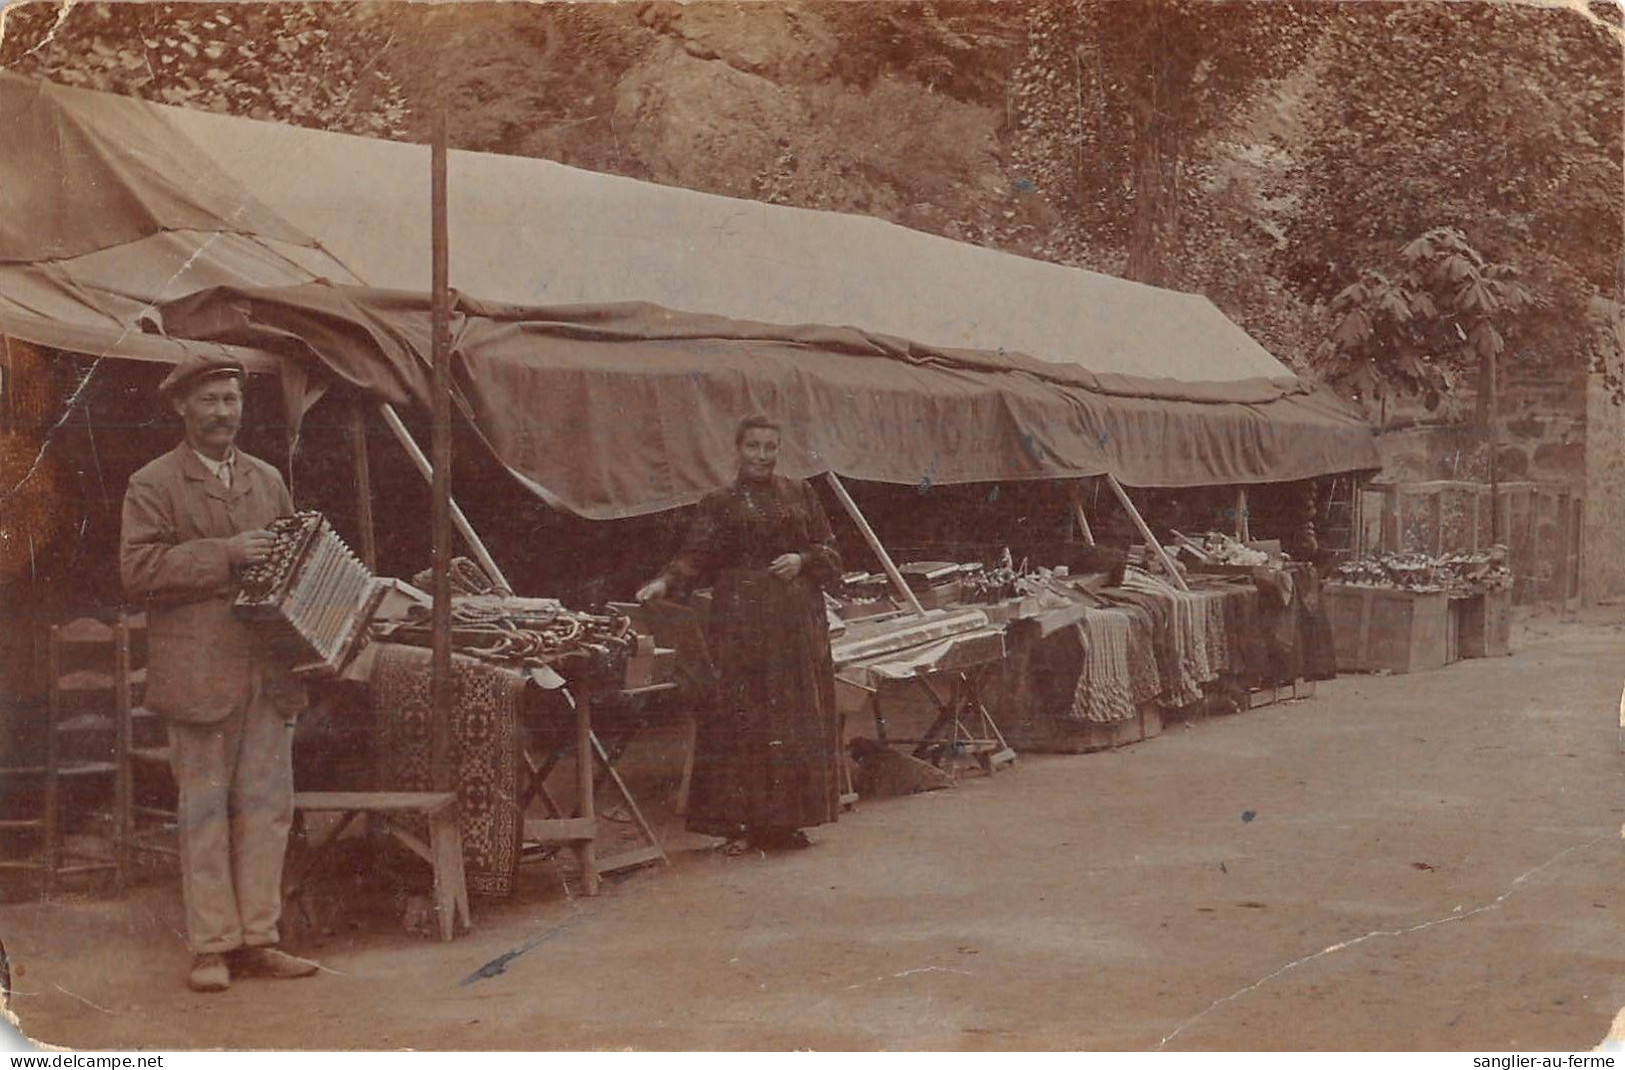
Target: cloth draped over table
pixel 1102 661
pixel 1296 633
pixel 1120 669
pixel 485 747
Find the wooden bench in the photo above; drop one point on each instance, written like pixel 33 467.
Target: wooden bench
pixel 443 852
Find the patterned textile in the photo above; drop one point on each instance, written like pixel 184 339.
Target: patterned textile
pixel 1187 634
pixel 1105 686
pixel 1156 609
pixel 1218 644
pixel 1145 680
pixel 485 747
pixel 1241 627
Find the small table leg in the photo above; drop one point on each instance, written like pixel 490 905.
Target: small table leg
pixel 586 850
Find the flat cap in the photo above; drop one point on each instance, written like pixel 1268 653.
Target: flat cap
pixel 189 373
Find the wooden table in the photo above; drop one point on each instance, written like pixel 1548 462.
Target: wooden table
pixel 595 763
pixel 949 672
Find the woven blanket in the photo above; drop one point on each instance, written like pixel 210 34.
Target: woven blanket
pixel 485 752
pixel 1145 678
pixel 1218 643
pixel 1105 686
pixel 1187 636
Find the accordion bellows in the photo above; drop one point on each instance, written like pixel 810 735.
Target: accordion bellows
pixel 312 595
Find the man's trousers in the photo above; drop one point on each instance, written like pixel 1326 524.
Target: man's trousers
pixel 236 805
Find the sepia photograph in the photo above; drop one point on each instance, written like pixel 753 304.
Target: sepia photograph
pixel 833 525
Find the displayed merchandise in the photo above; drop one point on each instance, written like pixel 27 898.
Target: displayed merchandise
pixel 1472 572
pixel 1217 548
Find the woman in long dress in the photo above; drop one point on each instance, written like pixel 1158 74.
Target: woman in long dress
pixel 765 757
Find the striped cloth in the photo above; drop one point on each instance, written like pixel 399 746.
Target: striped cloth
pixel 1190 628
pixel 1105 690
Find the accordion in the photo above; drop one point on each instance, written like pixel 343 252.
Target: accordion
pixel 312 596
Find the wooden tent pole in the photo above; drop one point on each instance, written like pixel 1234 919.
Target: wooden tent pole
pixel 1080 516
pixel 873 540
pixel 1083 524
pixel 1151 541
pixel 444 777
pixel 1244 521
pixel 363 485
pixel 475 544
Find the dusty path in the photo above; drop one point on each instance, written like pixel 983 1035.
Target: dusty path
pixel 1430 861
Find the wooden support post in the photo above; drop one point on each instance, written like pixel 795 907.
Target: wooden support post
pixel 1244 523
pixel 123 787
pixel 1492 407
pixel 442 685
pixel 363 486
pixel 476 545
pixel 873 540
pixel 1080 516
pixel 1393 523
pixel 1151 542
pixel 1357 513
pixel 586 849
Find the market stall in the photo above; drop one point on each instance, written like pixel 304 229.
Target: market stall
pixel 626 409
pixel 1099 658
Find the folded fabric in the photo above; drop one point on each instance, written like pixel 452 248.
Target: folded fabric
pixel 1105 686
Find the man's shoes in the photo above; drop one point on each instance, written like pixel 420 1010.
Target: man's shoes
pixel 209 973
pixel 269 962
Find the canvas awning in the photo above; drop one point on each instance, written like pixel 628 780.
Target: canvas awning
pixel 107 210
pixel 620 410
pixel 140 231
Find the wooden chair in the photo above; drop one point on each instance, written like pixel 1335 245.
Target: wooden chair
pixel 88 665
pixel 443 852
pixel 146 828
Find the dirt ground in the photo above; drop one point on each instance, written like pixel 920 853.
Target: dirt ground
pixel 1419 862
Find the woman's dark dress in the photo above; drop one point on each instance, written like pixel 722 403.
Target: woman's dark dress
pixel 765 757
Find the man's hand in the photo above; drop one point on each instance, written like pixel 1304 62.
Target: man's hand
pixel 786 566
pixel 654 589
pixel 249 547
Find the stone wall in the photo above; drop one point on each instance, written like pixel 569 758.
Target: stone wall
pixel 1545 419
pixel 1543 434
pixel 1543 427
pixel 1604 531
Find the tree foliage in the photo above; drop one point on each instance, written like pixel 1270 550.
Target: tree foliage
pixel 1503 121
pixel 311 64
pixel 1420 321
pixel 1121 92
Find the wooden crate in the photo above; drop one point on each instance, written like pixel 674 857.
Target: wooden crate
pixel 1486 625
pixel 1269 694
pixel 1055 735
pixel 1379 630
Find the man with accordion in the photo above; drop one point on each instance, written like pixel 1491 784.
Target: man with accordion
pixel 193 518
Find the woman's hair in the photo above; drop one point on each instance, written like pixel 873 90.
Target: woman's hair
pixel 756 420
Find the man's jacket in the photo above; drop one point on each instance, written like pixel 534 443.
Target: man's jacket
pixel 201 660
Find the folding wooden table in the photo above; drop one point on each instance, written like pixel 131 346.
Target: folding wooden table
pixel 949 672
pixel 595 763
